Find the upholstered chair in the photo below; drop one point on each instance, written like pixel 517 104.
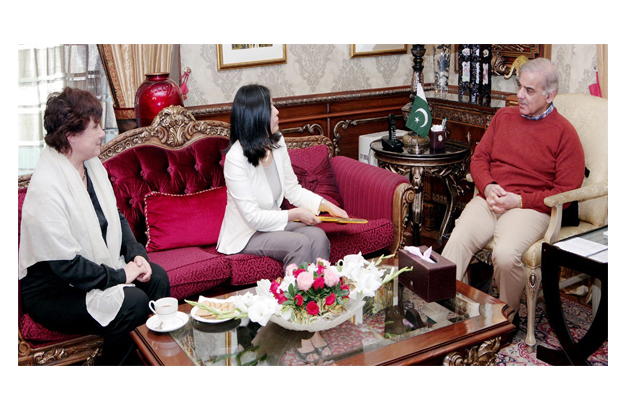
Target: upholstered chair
pixel 589 116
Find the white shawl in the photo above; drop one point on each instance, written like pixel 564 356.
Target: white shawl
pixel 60 222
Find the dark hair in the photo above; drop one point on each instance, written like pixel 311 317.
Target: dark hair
pixel 250 122
pixel 69 112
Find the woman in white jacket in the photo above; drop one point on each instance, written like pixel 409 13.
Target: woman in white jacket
pixel 259 176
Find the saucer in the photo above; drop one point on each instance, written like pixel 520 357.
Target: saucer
pixel 177 322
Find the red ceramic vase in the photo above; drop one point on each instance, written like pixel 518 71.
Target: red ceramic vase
pixel 154 94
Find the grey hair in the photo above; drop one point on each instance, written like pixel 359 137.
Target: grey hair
pixel 545 67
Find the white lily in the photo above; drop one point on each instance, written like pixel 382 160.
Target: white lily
pixel 241 303
pixel 366 281
pixel 261 309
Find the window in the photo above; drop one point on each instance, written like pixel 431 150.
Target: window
pixel 44 69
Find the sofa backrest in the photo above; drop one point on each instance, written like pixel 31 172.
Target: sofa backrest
pixel 139 171
pixel 174 155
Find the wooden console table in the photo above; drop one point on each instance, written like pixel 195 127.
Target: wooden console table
pixel 450 165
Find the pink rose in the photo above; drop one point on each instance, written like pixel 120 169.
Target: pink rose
pixel 312 308
pixel 319 283
pixel 304 280
pixel 331 277
pixel 330 299
pixel 299 300
pixel 297 271
pixel 290 268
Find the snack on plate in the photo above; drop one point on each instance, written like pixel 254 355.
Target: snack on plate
pixel 210 315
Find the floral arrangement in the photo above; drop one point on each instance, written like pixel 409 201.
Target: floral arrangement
pixel 311 292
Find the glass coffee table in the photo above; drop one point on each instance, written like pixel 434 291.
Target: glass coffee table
pixel 465 330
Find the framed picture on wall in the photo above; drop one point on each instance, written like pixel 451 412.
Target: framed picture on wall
pixel 357 51
pixel 235 56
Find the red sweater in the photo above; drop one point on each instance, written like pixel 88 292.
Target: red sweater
pixel 533 158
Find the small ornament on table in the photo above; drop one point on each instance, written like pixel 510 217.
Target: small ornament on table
pixel 441 68
pixel 464 70
pixel 184 79
pixel 485 76
pixel 476 63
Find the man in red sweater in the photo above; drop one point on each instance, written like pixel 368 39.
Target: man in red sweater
pixel 529 152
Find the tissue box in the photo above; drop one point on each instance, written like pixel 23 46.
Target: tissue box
pixel 430 281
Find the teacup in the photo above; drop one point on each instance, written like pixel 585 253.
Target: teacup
pixel 165 309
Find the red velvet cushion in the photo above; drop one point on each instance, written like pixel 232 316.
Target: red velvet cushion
pixel 193 270
pixel 35 332
pixel 312 168
pixel 141 169
pixel 176 221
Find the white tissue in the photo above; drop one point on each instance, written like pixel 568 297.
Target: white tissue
pixel 417 252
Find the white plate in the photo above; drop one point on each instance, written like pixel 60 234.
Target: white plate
pixel 201 299
pixel 179 320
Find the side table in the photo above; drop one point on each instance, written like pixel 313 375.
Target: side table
pixel 554 257
pixel 450 165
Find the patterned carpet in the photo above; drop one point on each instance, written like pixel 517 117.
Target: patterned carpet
pixel 579 318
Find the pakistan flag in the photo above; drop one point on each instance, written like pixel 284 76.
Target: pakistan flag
pixel 420 118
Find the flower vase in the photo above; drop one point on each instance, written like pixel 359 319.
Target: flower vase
pixel 441 68
pixel 154 94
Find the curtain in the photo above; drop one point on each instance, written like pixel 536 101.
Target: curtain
pixel 44 69
pixel 602 68
pixel 126 66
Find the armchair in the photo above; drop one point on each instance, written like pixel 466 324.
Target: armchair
pixel 589 116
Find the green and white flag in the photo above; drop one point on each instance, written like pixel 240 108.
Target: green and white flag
pixel 420 118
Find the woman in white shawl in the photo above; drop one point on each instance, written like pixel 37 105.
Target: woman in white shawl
pixel 81 269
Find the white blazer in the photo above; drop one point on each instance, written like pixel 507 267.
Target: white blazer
pixel 250 200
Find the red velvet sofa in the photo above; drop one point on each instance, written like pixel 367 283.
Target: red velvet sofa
pixel 169 184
